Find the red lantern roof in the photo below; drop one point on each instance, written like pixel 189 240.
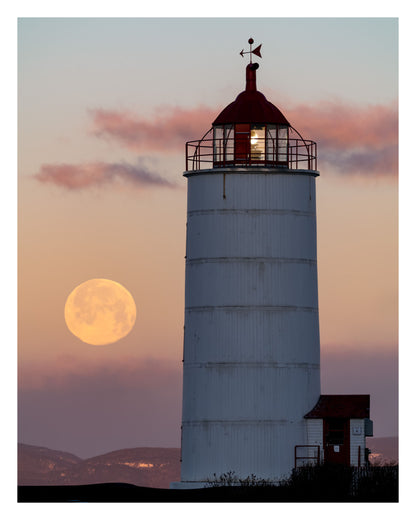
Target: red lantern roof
pixel 251 106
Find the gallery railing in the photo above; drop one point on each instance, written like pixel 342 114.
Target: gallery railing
pixel 269 152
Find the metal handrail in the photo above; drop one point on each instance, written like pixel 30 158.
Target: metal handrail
pixel 316 457
pixel 268 152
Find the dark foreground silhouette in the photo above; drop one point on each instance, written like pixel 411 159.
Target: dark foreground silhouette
pixel 129 493
pixel 316 484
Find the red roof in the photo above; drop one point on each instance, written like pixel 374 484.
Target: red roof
pixel 251 106
pixel 345 406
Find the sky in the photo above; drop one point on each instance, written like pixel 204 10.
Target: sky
pixel 105 107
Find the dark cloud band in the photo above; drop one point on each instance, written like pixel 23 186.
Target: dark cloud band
pixel 80 176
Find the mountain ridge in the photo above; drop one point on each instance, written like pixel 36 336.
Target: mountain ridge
pixel 146 467
pixel 152 467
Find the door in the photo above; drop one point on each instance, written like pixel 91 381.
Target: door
pixel 337 441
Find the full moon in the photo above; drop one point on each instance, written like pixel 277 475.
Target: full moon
pixel 100 311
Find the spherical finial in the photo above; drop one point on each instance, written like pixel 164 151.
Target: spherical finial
pixel 250 41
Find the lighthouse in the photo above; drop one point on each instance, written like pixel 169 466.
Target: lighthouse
pixel 251 356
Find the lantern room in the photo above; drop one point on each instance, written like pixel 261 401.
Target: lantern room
pixel 251 132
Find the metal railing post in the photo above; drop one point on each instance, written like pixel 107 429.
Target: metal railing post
pixel 297 153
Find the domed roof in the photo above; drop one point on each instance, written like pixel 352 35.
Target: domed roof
pixel 251 106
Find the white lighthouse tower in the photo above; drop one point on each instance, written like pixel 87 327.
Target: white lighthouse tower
pixel 251 364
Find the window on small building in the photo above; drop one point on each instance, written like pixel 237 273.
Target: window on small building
pixel 335 432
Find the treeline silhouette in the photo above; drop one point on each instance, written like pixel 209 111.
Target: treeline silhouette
pixel 323 483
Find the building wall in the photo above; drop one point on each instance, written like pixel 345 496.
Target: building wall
pixel 356 440
pixel 251 339
pixel 315 436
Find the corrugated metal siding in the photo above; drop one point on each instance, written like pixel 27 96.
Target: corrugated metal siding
pixel 246 448
pixel 357 440
pixel 264 282
pixel 257 334
pixel 251 342
pixel 228 391
pixel 246 191
pixel 251 234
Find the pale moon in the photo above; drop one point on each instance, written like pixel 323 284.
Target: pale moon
pixel 100 311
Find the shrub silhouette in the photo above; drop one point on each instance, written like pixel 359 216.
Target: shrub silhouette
pixel 320 483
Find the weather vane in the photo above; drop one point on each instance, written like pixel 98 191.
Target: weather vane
pixel 256 51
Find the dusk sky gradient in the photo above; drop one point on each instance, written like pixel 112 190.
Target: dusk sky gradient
pixel 105 109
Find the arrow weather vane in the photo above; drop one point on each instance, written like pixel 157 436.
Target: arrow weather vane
pixel 256 51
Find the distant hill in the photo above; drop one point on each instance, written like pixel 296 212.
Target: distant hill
pixel 383 449
pixel 146 467
pixel 149 467
pixel 36 464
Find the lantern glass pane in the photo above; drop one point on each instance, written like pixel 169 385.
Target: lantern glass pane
pixel 218 143
pixel 229 142
pixel 271 144
pixel 257 142
pixel 282 143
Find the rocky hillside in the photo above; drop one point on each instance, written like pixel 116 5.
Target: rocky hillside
pixel 149 467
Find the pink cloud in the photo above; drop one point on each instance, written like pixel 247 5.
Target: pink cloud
pixel 339 125
pixel 382 161
pixel 168 130
pixel 80 176
pixel 350 139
